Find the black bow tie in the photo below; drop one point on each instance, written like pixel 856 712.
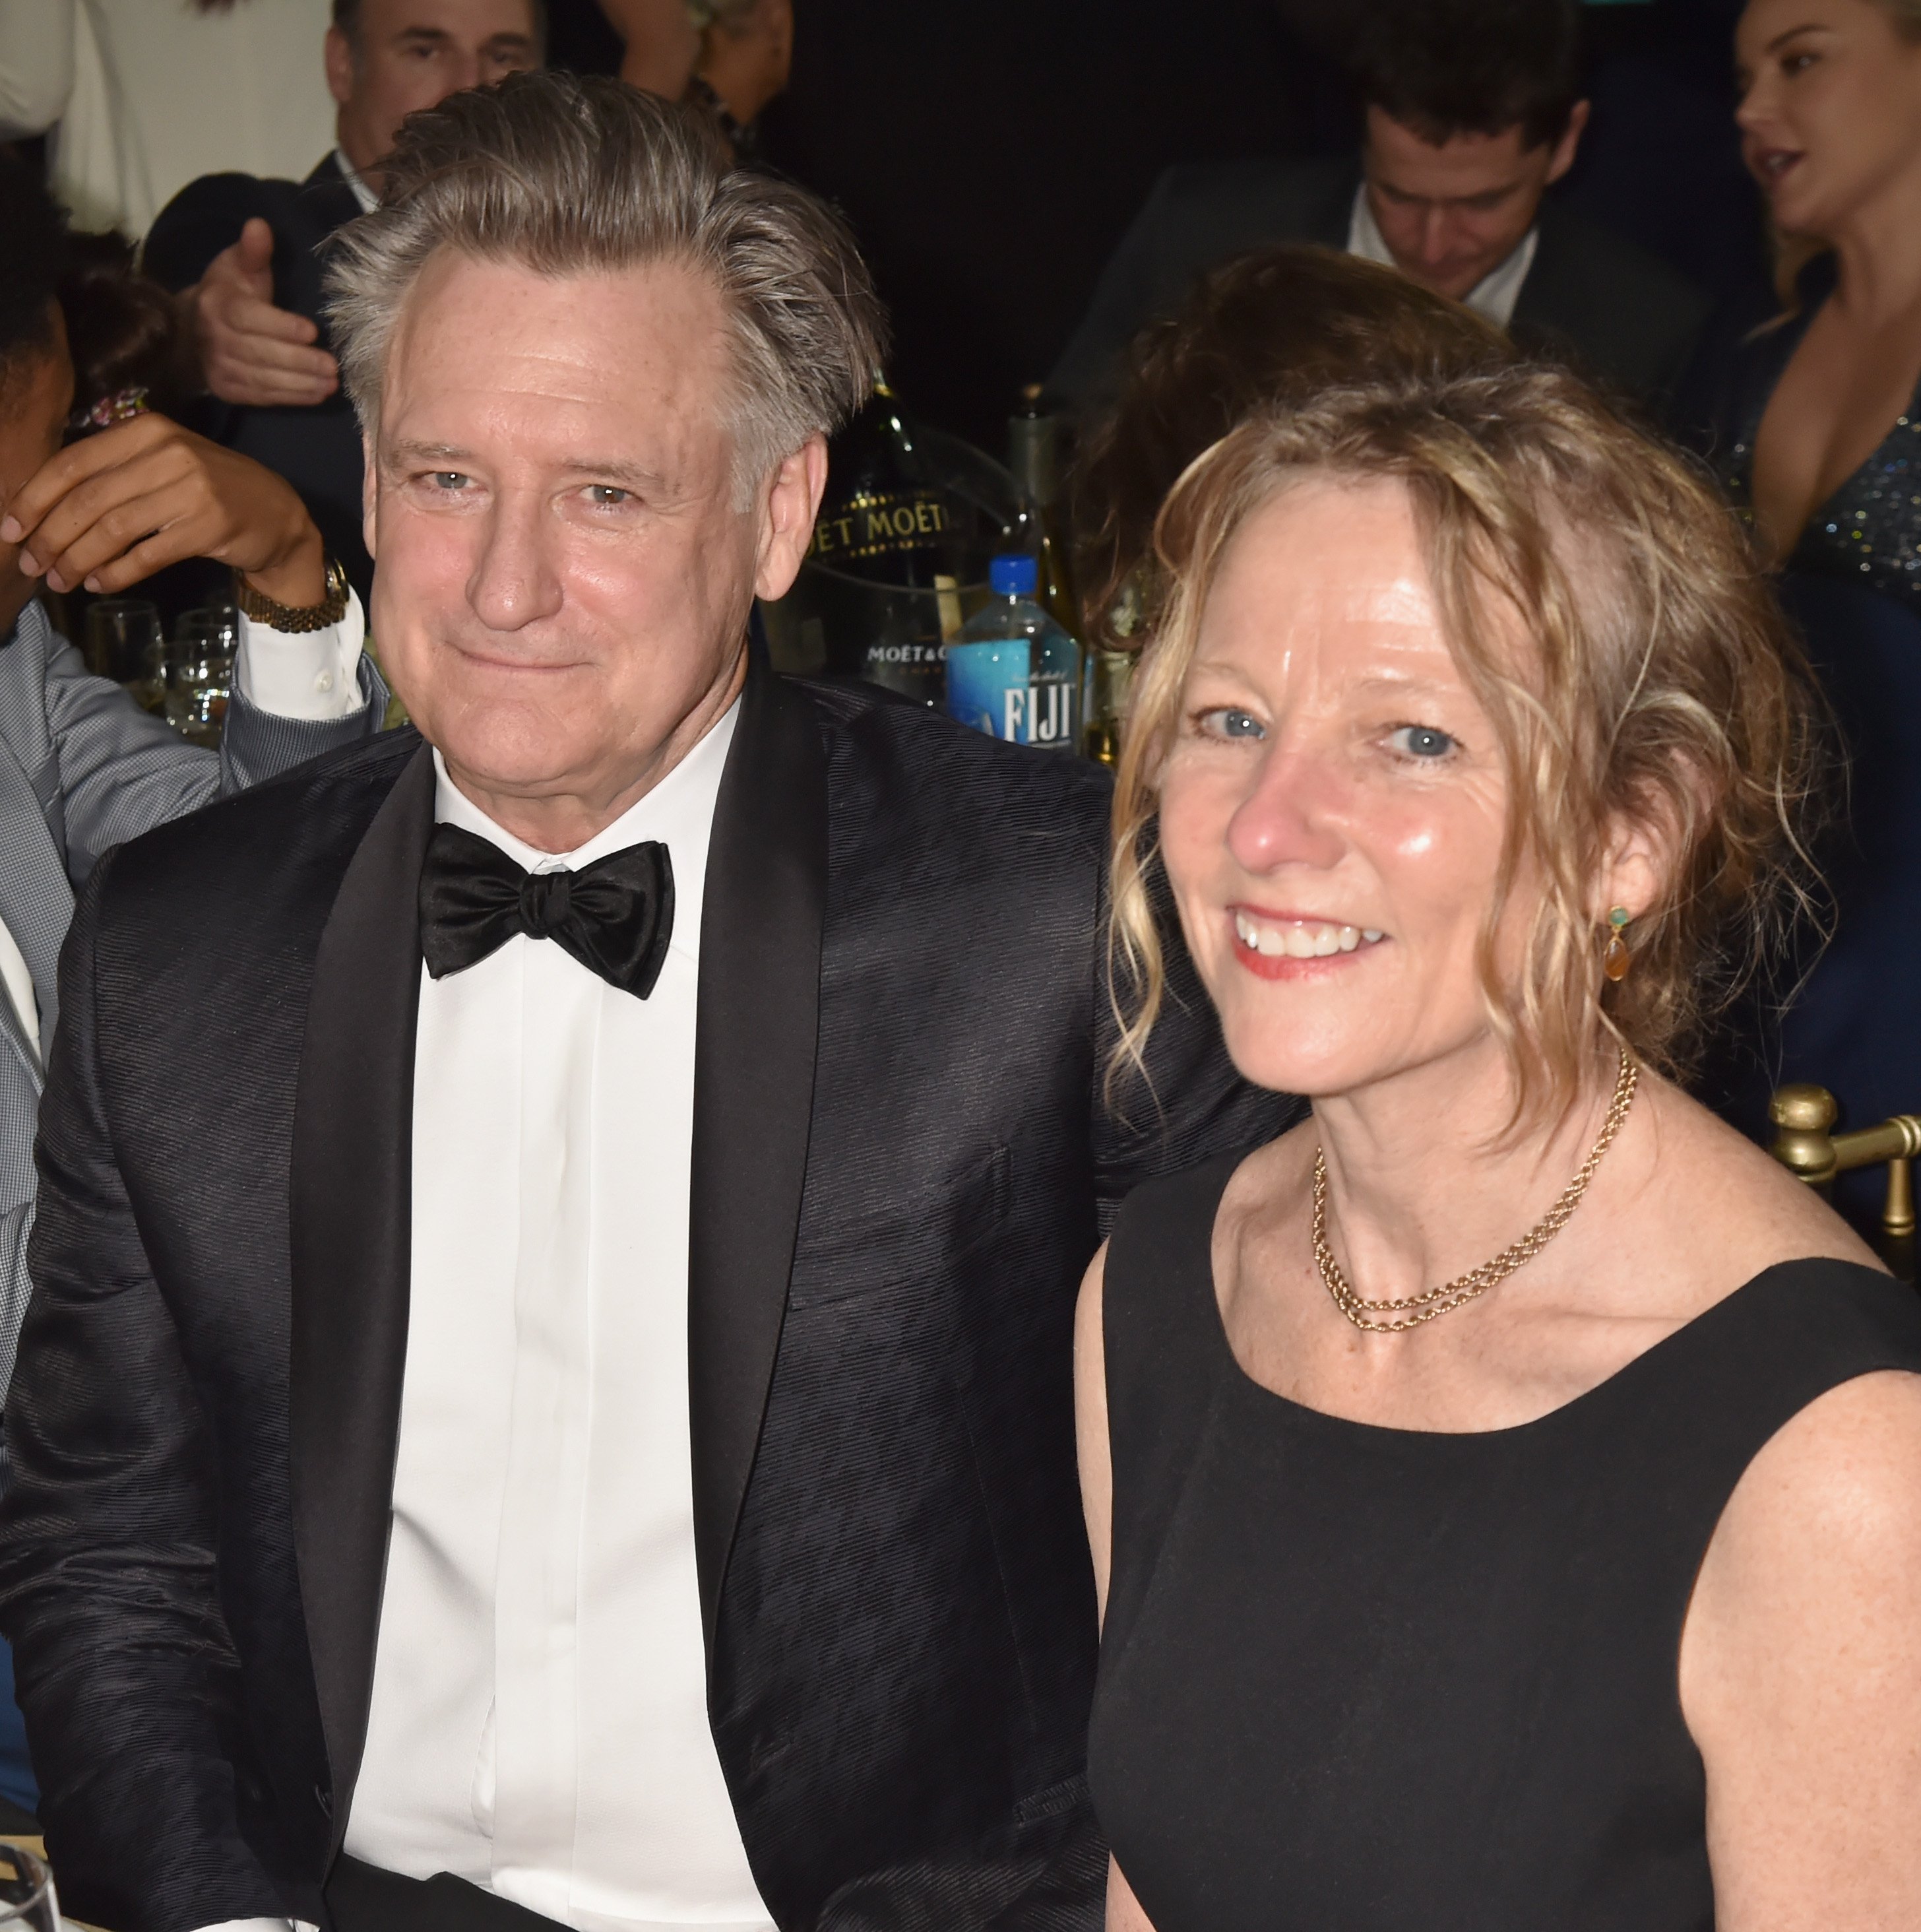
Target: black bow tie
pixel 615 916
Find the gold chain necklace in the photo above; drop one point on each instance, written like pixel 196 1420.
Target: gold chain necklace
pixel 1434 1301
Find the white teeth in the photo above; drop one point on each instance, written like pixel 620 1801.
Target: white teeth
pixel 1300 939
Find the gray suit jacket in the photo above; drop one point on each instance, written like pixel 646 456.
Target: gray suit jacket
pixel 83 768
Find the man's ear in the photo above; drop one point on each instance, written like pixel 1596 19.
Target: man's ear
pixel 370 492
pixel 787 511
pixel 1569 145
pixel 339 63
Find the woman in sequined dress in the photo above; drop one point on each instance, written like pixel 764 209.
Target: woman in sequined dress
pixel 1817 437
pixel 1821 438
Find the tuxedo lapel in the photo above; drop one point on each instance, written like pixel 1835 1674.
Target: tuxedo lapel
pixel 351 1235
pixel 755 1044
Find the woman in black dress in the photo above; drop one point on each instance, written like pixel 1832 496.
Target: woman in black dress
pixel 1501 1487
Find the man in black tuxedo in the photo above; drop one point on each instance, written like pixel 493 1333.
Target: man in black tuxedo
pixel 247 256
pixel 547 1399
pixel 1473 111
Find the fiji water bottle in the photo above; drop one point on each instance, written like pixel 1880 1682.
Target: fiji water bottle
pixel 1013 672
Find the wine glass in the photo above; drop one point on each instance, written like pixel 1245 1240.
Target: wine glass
pixel 27 1901
pixel 199 673
pixel 121 633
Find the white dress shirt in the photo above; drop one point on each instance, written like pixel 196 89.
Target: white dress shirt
pixel 310 674
pixel 539 1717
pixel 1494 296
pixel 369 201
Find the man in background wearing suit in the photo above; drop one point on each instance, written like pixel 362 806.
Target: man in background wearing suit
pixel 565 1417
pixel 247 256
pixel 1473 111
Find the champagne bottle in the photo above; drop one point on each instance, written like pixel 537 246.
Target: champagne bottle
pixel 886 521
pixel 1034 458
pixel 883 517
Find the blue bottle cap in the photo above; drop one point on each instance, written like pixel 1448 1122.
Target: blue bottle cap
pixel 1013 575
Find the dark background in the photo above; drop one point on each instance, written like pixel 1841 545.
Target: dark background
pixel 989 153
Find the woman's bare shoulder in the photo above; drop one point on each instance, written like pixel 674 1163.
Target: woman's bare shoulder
pixel 1733 1208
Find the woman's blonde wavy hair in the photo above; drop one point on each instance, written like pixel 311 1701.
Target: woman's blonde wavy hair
pixel 1665 690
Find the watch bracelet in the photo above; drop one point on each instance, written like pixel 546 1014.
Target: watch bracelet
pixel 292 619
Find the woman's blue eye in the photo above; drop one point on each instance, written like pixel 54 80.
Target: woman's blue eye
pixel 1228 722
pixel 1421 741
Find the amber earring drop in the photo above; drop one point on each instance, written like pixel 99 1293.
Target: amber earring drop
pixel 1615 961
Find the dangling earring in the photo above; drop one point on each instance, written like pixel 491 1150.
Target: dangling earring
pixel 1615 961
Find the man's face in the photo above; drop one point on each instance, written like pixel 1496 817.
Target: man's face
pixel 1451 213
pixel 410 54
pixel 564 576
pixel 36 398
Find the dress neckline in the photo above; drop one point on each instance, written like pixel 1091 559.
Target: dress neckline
pixel 1623 1378
pixel 1792 329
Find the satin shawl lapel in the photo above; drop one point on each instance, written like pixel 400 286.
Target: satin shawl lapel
pixel 753 1090
pixel 351 1213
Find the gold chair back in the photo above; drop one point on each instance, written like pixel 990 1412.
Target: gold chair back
pixel 1805 1144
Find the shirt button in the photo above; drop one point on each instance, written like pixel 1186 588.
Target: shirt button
pixel 325 682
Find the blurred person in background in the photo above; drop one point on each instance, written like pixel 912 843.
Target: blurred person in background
pixel 1474 110
pixel 139 97
pixel 1273 324
pixel 729 58
pixel 1817 411
pixel 1817 433
pixel 246 254
pixel 82 343
pixel 1501 1486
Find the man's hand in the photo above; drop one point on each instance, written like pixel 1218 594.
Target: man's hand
pixel 111 510
pixel 250 351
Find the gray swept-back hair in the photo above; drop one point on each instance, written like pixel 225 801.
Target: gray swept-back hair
pixel 569 175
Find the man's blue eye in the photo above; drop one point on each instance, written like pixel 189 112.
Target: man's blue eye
pixel 1421 741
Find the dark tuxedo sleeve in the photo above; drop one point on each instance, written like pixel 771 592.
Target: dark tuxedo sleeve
pixel 1192 1104
pixel 123 1664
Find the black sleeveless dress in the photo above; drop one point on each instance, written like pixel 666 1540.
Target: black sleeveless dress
pixel 1362 1679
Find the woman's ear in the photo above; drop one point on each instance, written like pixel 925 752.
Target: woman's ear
pixel 1647 844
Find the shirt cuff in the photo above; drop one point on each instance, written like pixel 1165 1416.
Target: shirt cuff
pixel 313 675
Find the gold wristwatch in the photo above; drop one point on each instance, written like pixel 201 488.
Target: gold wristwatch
pixel 294 618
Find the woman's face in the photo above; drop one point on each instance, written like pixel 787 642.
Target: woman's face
pixel 1830 111
pixel 1332 811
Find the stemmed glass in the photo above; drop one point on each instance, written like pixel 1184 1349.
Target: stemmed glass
pixel 123 636
pixel 199 673
pixel 26 1902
